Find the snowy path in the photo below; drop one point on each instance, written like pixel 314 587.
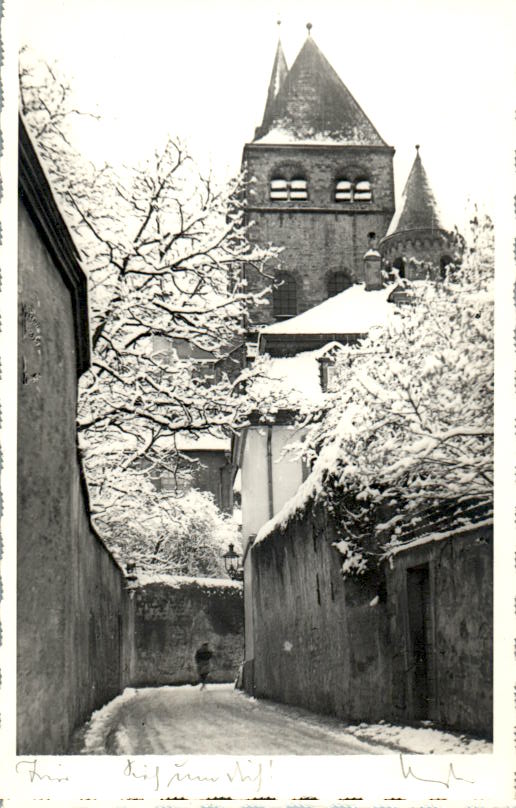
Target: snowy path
pixel 222 720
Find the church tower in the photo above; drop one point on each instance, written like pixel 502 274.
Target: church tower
pixel 416 243
pixel 319 185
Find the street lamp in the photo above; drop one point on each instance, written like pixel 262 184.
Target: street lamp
pixel 235 572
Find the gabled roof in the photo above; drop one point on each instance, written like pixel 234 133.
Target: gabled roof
pixel 353 311
pixel 313 104
pixel 418 209
pixel 278 76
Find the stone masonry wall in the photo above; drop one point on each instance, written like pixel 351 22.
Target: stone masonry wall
pixel 74 612
pixel 342 645
pixel 319 235
pixel 461 617
pixel 174 617
pixel 317 641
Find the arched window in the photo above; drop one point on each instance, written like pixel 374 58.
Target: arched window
pixel 284 296
pixel 337 282
pixel 343 191
pixel 399 264
pixel 357 191
pixel 283 189
pixel 362 191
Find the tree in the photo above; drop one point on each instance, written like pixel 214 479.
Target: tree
pixel 407 427
pixel 163 245
pixel 172 533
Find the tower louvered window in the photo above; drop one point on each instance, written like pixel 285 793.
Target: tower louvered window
pixel 295 189
pixel 284 296
pixel 279 188
pixel 343 191
pixel 357 191
pixel 298 188
pixel 363 191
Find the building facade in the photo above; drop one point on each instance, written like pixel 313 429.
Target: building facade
pixel 319 184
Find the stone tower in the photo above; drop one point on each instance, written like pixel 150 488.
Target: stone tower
pixel 416 243
pixel 319 184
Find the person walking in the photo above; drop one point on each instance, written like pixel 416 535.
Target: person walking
pixel 203 656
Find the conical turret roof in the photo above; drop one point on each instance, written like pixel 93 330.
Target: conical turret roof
pixel 313 105
pixel 418 209
pixel 278 76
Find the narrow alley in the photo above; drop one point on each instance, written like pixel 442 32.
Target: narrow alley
pixel 222 720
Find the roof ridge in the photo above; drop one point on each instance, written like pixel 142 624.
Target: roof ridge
pixel 313 101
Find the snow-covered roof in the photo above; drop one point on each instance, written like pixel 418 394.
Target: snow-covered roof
pixel 353 311
pixel 310 100
pixel 290 382
pixel 204 443
pixel 293 375
pixel 427 538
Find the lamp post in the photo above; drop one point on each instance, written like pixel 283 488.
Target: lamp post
pixel 235 572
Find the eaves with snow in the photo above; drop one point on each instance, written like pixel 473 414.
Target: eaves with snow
pixel 184 581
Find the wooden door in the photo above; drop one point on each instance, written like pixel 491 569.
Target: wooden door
pixel 420 641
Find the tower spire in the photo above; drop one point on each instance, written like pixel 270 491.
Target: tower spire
pixel 278 76
pixel 418 207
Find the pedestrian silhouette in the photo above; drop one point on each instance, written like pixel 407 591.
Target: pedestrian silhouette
pixel 203 656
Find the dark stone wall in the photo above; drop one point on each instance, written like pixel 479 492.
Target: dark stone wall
pixel 319 236
pixel 174 618
pixel 74 612
pixel 318 642
pixel 342 645
pixel 461 624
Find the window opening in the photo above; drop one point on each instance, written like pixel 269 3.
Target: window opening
pixel 343 191
pixel 362 191
pixel 444 265
pixel 284 296
pixel 337 282
pixel 298 188
pixel 279 188
pixel 358 191
pixel 295 189
pixel 399 264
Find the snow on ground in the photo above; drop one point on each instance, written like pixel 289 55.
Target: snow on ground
pixel 222 720
pixel 422 740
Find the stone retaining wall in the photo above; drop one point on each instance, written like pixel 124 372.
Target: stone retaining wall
pixel 348 645
pixel 174 616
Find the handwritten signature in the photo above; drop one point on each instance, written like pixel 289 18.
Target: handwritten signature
pixel 450 776
pixel 156 777
pixel 30 768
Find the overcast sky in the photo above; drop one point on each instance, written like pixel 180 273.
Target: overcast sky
pixel 425 71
